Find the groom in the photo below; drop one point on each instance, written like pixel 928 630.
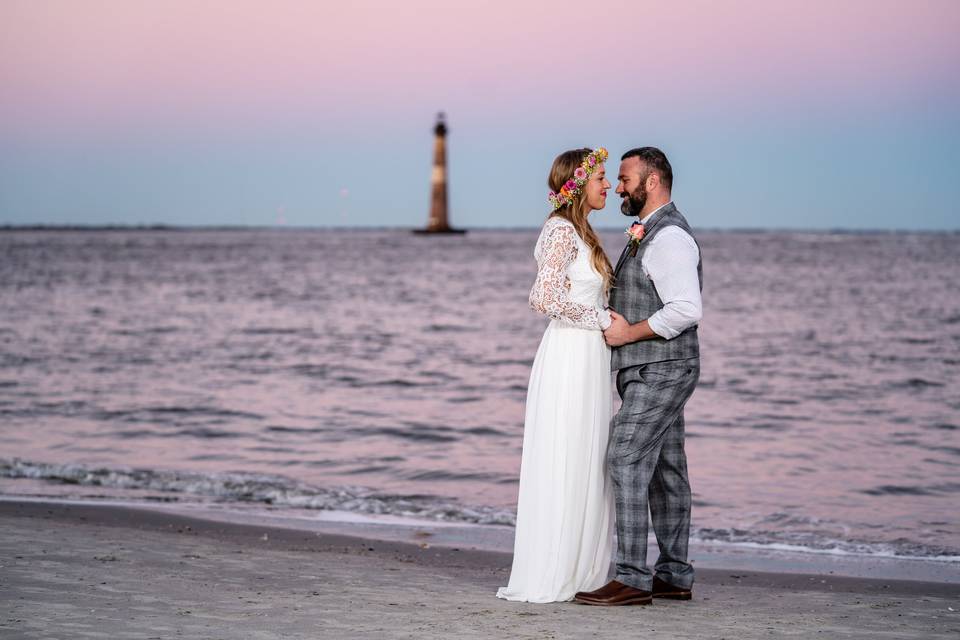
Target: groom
pixel 655 349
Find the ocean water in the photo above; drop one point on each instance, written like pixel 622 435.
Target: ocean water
pixel 382 372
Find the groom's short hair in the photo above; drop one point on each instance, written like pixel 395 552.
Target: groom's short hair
pixel 656 160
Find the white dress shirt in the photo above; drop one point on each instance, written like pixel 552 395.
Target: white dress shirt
pixel 671 262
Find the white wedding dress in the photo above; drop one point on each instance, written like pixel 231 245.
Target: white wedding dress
pixel 565 509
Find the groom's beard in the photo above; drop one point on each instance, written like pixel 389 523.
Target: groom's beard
pixel 633 202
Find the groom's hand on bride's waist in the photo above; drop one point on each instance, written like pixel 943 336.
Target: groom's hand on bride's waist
pixel 621 332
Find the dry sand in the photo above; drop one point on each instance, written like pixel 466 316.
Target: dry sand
pixel 98 571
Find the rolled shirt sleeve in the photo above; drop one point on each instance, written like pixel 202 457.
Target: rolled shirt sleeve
pixel 671 263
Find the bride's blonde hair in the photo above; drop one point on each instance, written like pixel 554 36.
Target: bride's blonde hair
pixel 576 211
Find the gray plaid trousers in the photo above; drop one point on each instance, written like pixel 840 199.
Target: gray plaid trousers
pixel 648 466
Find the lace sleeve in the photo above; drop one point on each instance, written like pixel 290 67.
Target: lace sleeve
pixel 549 292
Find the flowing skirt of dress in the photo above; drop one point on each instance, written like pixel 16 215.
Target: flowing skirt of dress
pixel 565 508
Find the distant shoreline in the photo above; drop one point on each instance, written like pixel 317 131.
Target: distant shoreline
pixel 185 228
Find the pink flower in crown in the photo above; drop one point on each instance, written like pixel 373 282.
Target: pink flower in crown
pixel 591 160
pixel 580 173
pixel 570 185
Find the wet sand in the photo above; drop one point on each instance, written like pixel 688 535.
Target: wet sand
pixel 99 571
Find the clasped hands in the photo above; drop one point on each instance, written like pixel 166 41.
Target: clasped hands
pixel 618 333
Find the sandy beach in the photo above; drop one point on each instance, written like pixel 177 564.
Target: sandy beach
pixel 100 571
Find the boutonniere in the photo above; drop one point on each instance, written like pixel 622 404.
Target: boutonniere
pixel 635 233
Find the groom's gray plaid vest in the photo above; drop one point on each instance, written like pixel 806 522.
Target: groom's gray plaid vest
pixel 635 298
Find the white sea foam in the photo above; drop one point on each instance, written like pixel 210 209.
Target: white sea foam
pixel 834 548
pixel 269 489
pixel 284 492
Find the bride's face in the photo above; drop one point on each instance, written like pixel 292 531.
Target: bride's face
pixel 595 189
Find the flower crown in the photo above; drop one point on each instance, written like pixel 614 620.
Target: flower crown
pixel 572 187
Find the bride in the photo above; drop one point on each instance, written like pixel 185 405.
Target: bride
pixel 565 507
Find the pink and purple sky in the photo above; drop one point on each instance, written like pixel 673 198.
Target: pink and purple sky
pixel 816 114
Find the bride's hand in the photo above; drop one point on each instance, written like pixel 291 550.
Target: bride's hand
pixel 616 334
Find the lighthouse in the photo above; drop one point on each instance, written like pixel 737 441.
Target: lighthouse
pixel 439 221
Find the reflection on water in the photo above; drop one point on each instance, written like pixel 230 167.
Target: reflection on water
pixel 393 367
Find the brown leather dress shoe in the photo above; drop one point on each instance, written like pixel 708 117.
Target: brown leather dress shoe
pixel 614 594
pixel 666 590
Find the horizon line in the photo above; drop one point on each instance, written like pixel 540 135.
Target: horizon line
pixel 275 227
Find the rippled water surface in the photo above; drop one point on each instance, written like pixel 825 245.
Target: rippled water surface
pixel 382 371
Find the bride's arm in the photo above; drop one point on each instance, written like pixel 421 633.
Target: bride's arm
pixel 549 292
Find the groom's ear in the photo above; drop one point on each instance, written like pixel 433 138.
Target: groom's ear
pixel 652 182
